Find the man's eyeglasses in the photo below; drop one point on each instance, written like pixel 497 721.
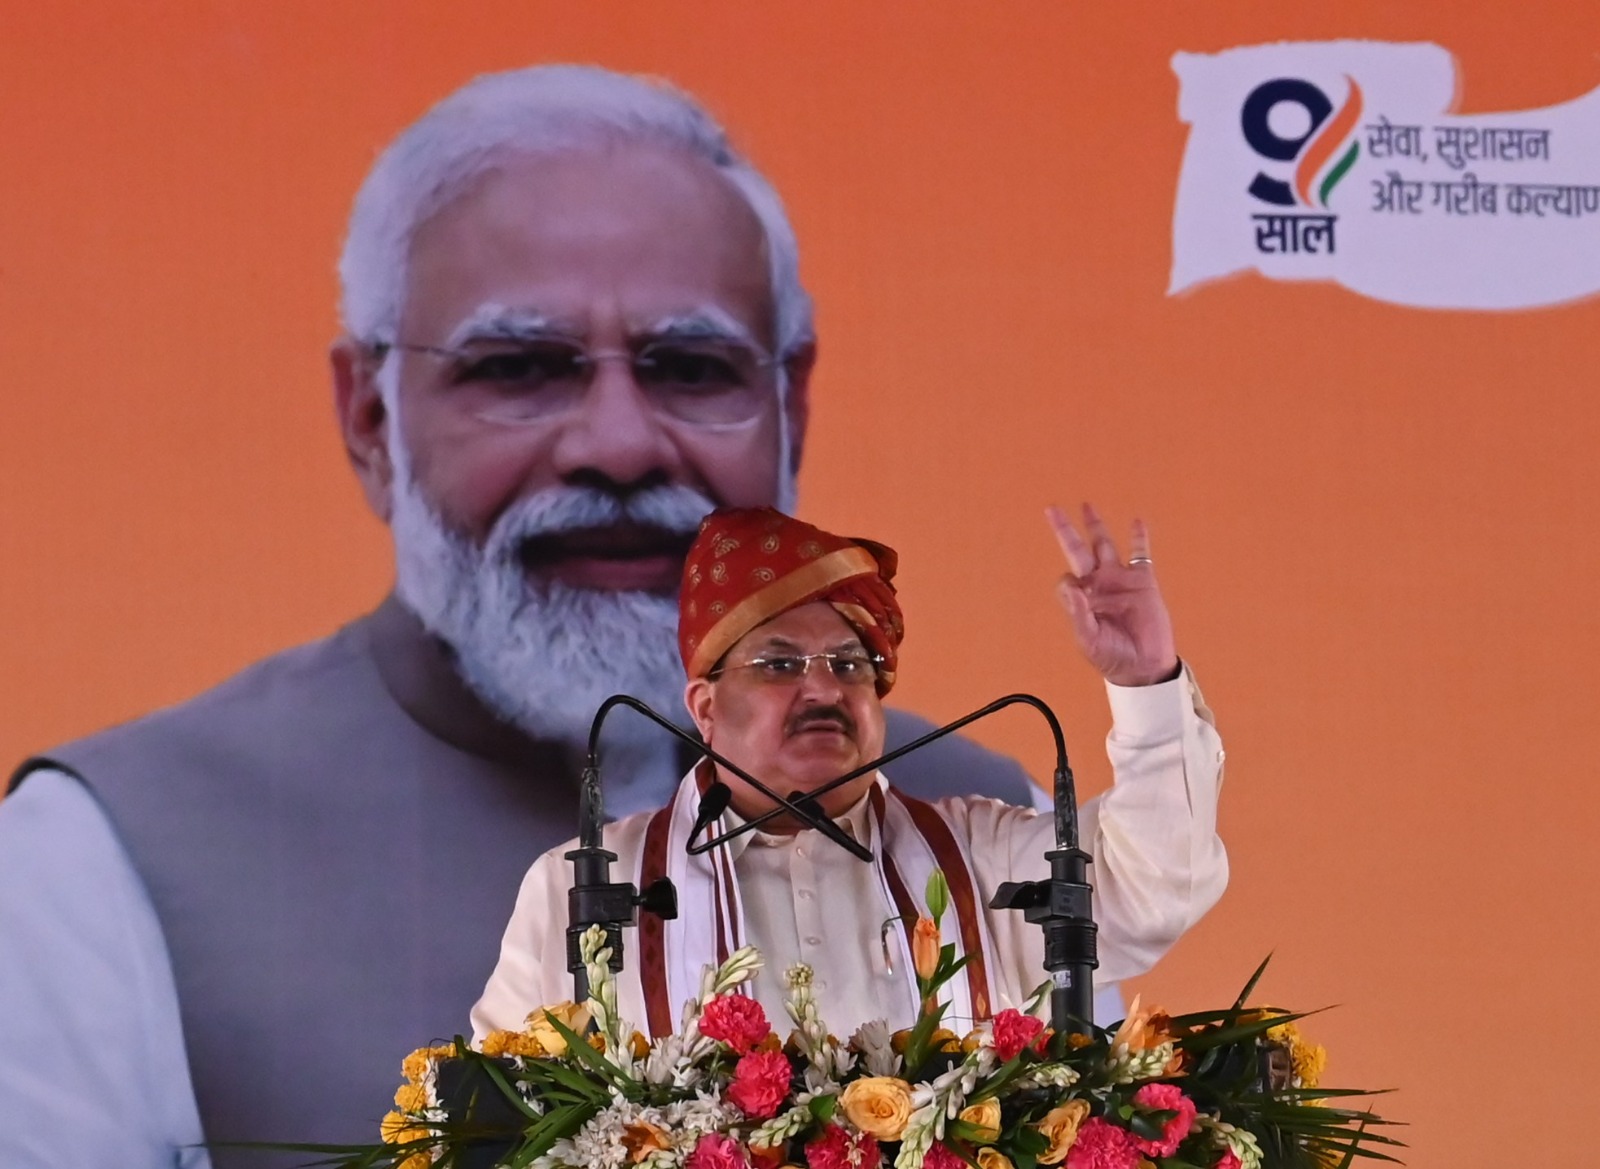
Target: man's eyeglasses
pixel 849 668
pixel 715 383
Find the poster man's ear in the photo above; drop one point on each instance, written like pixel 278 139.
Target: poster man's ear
pixel 363 420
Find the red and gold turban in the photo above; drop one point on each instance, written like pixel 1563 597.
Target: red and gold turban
pixel 749 564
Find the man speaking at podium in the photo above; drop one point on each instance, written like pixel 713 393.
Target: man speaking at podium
pixel 790 636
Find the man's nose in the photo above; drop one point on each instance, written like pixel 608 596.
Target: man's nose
pixel 818 684
pixel 614 432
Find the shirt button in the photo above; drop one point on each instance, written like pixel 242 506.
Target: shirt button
pixel 800 850
pixel 813 941
pixel 805 894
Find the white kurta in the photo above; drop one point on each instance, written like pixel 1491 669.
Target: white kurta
pixel 1158 865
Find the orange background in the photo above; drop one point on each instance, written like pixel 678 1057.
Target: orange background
pixel 1375 525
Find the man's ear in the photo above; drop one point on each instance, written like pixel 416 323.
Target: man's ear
pixel 697 697
pixel 363 420
pixel 797 405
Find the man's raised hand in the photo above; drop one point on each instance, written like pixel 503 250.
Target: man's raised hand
pixel 1115 606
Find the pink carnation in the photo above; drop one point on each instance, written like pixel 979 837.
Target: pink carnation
pixel 760 1083
pixel 736 1020
pixel 1228 1160
pixel 1166 1098
pixel 1013 1031
pixel 1102 1145
pixel 939 1156
pixel 715 1151
pixel 837 1149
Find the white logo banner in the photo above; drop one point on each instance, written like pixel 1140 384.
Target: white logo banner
pixel 1341 161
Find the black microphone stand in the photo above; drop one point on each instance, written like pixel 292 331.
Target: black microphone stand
pixel 594 899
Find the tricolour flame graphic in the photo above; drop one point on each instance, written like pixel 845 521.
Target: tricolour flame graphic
pixel 1322 148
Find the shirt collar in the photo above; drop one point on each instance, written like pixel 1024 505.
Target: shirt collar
pixel 856 820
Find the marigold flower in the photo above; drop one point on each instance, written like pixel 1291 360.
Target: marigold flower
pixel 1310 1060
pixel 415 1066
pixel 410 1098
pixel 397 1128
pixel 639 1044
pixel 879 1105
pixel 516 1043
pixel 985 1117
pixel 1060 1127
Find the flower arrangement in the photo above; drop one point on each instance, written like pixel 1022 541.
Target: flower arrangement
pixel 1231 1089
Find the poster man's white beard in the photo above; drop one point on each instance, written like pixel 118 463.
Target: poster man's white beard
pixel 544 655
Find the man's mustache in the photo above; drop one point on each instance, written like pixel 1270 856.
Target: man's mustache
pixel 821 716
pixel 668 513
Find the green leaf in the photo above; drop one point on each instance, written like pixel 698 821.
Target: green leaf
pixel 1030 1142
pixel 937 895
pixel 823 1107
pixel 1249 987
pixel 1152 1126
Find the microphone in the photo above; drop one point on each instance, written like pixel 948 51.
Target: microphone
pixel 712 804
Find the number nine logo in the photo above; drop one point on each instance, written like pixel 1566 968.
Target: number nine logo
pixel 1312 153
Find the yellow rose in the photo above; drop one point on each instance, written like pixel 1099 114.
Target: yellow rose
pixel 1060 1128
pixel 569 1015
pixel 993 1158
pixel 878 1105
pixel 984 1116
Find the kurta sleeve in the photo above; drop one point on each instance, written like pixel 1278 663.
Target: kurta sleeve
pixel 532 970
pixel 92 1064
pixel 1158 864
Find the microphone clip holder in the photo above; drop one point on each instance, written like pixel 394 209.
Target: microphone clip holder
pixel 595 900
pixel 1061 906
